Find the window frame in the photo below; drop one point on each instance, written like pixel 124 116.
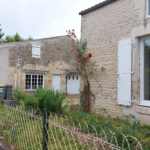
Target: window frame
pixel 147 9
pixel 142 101
pixel 31 81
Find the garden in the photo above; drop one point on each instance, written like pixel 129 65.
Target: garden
pixel 127 125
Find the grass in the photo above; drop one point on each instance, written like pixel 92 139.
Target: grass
pixel 25 132
pixel 128 125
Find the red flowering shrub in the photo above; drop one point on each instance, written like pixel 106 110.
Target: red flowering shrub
pixel 84 60
pixel 79 51
pixel 77 48
pixel 79 58
pixel 90 55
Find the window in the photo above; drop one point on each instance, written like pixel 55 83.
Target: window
pixel 148 8
pixel 33 81
pixel 145 71
pixel 35 51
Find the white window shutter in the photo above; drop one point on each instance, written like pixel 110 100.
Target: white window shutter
pixel 36 51
pixel 124 72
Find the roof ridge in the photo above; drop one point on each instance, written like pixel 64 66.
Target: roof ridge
pixel 32 40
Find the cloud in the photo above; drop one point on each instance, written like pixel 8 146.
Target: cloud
pixel 42 18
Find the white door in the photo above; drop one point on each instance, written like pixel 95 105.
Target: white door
pixel 56 82
pixel 73 84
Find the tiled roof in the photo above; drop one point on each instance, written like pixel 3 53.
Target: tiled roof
pixel 96 7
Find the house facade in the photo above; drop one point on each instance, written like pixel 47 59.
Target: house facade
pixel 38 63
pixel 118 36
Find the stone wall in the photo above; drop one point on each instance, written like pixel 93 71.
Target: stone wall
pixel 103 28
pixel 52 61
pixel 4 61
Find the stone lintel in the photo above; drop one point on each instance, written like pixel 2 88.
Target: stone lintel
pixel 35 71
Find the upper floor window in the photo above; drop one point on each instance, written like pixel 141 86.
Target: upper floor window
pixel 148 8
pixel 35 51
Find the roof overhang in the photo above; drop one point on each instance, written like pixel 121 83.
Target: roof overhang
pixel 96 7
pixel 71 72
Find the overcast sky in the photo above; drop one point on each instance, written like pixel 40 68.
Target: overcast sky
pixel 42 18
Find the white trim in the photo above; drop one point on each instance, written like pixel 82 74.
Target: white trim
pixel 19 80
pixel 147 9
pixel 31 81
pixel 15 80
pixel 142 101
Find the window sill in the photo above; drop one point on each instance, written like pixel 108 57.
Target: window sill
pixel 29 90
pixel 147 17
pixel 142 109
pixel 73 93
pixel 145 104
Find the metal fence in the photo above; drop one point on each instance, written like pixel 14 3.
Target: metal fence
pixel 29 129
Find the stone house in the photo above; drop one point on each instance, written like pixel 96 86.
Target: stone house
pixel 38 63
pixel 118 36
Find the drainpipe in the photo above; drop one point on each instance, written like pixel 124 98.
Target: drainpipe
pixel 15 80
pixel 19 80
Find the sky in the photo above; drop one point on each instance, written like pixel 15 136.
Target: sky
pixel 42 18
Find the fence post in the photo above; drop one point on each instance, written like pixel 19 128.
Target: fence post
pixel 45 129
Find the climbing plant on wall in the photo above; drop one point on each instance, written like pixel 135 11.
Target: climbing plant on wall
pixel 80 59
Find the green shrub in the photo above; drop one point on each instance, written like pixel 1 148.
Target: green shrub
pixel 19 95
pixel 31 101
pixel 42 98
pixel 50 99
pixel 53 101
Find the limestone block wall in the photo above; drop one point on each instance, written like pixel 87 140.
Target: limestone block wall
pixel 103 28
